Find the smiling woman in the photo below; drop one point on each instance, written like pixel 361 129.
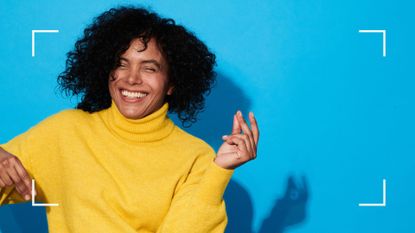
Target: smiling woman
pixel 117 160
pixel 110 46
pixel 140 82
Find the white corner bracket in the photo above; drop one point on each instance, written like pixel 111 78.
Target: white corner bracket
pixel 384 37
pixel 383 204
pixel 33 197
pixel 33 37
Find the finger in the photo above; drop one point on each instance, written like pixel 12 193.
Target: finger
pixel 249 151
pixel 18 182
pixel 242 122
pixel 24 176
pixel 247 131
pixel 6 179
pixel 26 189
pixel 236 129
pixel 3 174
pixel 254 126
pixel 10 183
pixel 240 143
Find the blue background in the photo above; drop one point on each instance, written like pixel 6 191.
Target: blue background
pixel 333 112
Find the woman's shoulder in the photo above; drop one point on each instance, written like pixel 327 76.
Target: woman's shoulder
pixel 54 125
pixel 66 117
pixel 192 142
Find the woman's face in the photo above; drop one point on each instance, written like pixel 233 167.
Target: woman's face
pixel 139 83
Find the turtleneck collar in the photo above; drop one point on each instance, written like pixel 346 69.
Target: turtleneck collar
pixel 153 127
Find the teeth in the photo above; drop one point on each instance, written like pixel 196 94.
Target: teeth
pixel 131 94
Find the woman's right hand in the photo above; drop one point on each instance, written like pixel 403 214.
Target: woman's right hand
pixel 12 173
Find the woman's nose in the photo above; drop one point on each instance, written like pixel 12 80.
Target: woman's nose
pixel 134 78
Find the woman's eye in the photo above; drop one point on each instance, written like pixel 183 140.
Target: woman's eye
pixel 150 69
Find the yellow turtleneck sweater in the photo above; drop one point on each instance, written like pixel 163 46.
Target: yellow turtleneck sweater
pixel 112 174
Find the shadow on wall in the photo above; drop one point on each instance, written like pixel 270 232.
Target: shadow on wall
pixel 216 119
pixel 289 210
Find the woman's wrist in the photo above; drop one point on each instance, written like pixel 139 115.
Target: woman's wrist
pixel 221 163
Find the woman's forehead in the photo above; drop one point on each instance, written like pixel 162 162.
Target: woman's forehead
pixel 138 48
pixel 139 53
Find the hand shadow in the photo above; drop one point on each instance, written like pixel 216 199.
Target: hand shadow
pixel 289 210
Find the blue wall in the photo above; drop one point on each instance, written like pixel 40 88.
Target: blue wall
pixel 335 115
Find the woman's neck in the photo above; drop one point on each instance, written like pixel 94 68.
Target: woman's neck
pixel 150 128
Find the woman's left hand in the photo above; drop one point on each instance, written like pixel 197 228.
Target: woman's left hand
pixel 240 147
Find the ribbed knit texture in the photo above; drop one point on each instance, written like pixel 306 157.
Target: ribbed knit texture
pixel 112 174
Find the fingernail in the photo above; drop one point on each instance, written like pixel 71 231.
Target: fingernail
pixel 239 113
pixel 224 136
pixel 251 113
pixel 27 197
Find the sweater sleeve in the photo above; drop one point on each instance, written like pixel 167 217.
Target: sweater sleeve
pixel 198 206
pixel 32 148
pixel 17 147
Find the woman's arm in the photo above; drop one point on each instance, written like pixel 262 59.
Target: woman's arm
pixel 198 207
pixel 17 168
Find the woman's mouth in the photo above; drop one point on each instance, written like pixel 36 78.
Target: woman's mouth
pixel 132 96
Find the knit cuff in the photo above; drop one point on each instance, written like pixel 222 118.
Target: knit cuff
pixel 213 183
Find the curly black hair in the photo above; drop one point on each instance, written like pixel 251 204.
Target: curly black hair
pixel 97 53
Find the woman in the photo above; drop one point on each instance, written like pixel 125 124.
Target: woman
pixel 117 163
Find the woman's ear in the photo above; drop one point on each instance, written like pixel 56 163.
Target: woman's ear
pixel 170 90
